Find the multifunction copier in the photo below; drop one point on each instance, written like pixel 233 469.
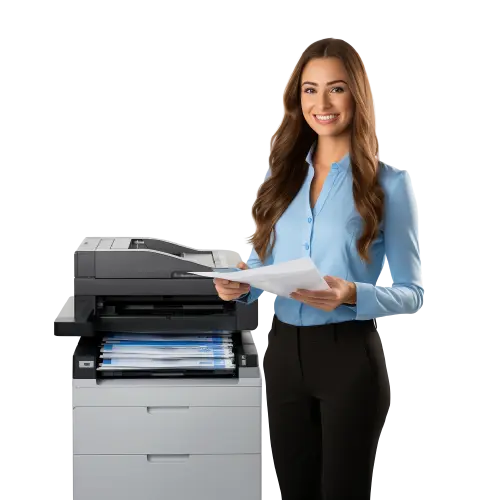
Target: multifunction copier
pixel 166 378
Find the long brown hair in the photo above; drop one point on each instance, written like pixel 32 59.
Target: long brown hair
pixel 293 139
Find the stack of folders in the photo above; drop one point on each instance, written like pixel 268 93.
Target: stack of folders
pixel 176 350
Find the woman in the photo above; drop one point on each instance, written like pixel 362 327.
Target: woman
pixel 327 385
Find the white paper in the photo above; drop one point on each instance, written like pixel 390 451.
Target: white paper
pixel 188 363
pixel 188 335
pixel 281 279
pixel 179 354
pixel 175 352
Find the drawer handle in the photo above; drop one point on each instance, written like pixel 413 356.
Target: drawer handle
pixel 165 409
pixel 173 458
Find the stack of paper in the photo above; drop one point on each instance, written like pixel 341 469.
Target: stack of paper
pixel 281 279
pixel 173 350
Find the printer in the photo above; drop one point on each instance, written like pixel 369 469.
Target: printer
pixel 160 432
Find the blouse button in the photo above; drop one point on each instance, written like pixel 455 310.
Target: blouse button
pixel 309 219
pixel 307 246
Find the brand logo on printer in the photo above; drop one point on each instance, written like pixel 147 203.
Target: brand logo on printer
pixel 86 363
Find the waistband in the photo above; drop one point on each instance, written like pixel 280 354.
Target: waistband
pixel 343 326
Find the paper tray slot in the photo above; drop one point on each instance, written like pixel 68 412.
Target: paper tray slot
pixel 153 314
pixel 166 373
pixel 86 361
pixel 177 307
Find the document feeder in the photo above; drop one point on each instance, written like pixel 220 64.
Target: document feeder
pixel 156 432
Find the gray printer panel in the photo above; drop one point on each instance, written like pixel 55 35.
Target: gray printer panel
pixel 161 477
pixel 149 264
pixel 142 258
pixel 192 438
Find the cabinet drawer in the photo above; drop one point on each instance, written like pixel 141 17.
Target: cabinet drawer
pixel 143 430
pixel 161 477
pixel 144 393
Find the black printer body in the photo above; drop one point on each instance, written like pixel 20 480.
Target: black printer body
pixel 143 285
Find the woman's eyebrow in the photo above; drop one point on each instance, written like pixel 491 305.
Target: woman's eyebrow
pixel 328 83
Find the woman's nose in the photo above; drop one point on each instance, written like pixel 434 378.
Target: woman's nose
pixel 325 101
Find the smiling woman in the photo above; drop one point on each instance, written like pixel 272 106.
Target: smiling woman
pixel 328 196
pixel 328 103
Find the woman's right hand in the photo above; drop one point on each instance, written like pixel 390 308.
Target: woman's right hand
pixel 231 290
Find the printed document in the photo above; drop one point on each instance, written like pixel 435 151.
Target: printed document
pixel 281 279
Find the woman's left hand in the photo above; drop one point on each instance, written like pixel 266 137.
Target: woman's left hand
pixel 341 291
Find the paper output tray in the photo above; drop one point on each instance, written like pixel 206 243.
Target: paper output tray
pixel 86 361
pixel 167 373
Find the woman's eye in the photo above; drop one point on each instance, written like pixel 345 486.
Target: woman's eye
pixel 335 90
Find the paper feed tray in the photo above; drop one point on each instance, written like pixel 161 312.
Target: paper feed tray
pixel 111 356
pixel 188 351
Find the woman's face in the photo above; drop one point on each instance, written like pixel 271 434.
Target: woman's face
pixel 324 91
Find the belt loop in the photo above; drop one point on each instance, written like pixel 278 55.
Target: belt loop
pixel 375 321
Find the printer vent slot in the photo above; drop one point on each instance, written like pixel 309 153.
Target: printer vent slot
pixel 171 306
pixel 162 306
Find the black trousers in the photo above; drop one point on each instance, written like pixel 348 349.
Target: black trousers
pixel 328 395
